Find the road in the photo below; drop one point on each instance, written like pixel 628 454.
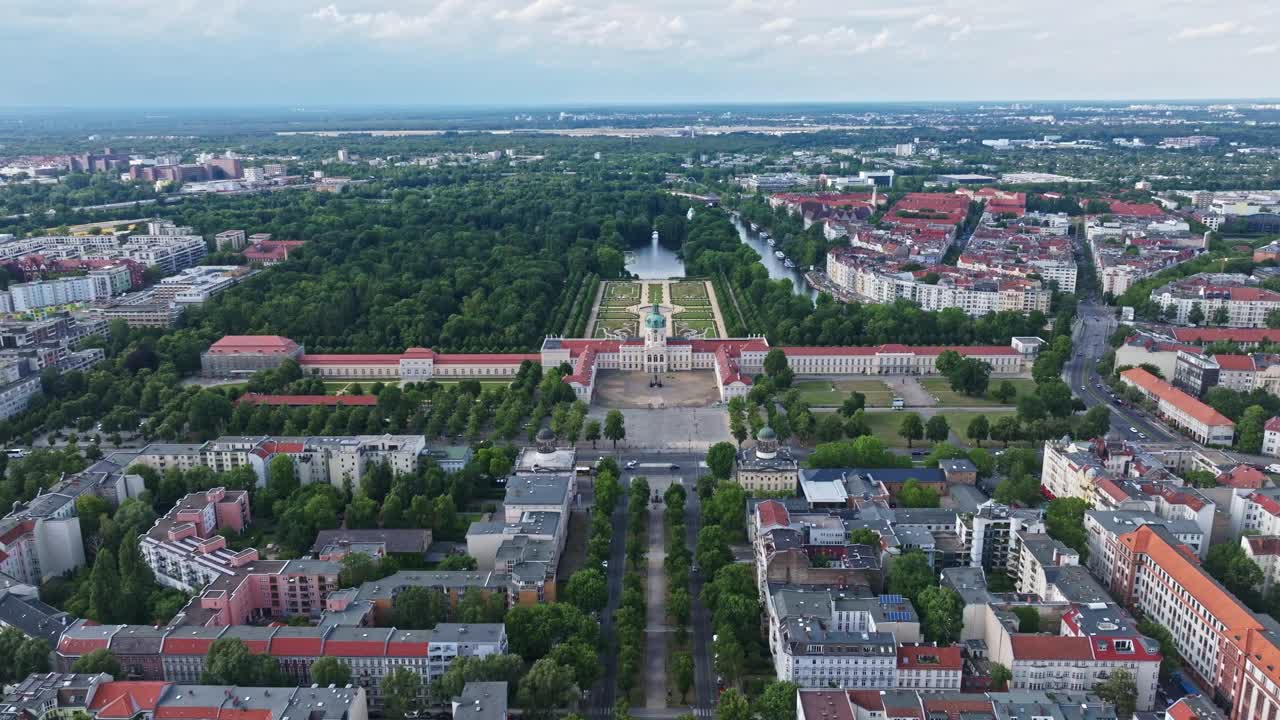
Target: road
pixel 654 465
pixel 1094 325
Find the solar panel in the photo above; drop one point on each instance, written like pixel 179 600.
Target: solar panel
pixel 891 599
pixel 898 616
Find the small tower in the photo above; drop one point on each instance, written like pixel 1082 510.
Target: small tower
pixel 546 440
pixel 655 327
pixel 766 443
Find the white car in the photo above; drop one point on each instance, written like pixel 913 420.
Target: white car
pixel 631 464
pixel 1274 468
pixel 1133 430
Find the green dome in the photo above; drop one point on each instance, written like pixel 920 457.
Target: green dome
pixel 654 320
pixel 766 433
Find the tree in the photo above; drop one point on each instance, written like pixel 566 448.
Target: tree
pixel 104 587
pixel 971 377
pixel 1233 568
pixel 682 668
pixel 1005 392
pixel 592 432
pixel 1028 619
pixel 1064 521
pixel 1251 429
pixel 587 589
pixel 487 668
pixel 778 701
pixel 547 687
pixel 1095 422
pixel 712 551
pixel 733 706
pixel 1170 658
pixel 978 430
pixel 229 662
pixel 864 536
pixel 911 428
pixel 1120 690
pixel 401 689
pixel 418 608
pixel 1273 319
pixel 101 660
pixel 937 429
pixel 775 362
pixel 534 629
pixel 614 426
pixel 913 495
pixel 1030 408
pixel 281 480
pixel 1000 677
pixel 852 404
pixel 720 459
pixel 1221 316
pixel 729 656
pixel 940 614
pixel 330 671
pixel 947 361
pixel 910 573
pixel 1006 429
pixel 1196 316
pixel 355 569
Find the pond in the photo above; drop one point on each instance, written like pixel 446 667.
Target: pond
pixel 654 262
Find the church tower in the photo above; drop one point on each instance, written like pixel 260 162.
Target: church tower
pixel 655 341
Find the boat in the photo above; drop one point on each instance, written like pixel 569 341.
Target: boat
pixel 764 234
pixel 754 227
pixel 779 254
pixel 788 263
pixel 772 242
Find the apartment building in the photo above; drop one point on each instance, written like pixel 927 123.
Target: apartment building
pixel 815 704
pixel 894 359
pixel 333 460
pixel 1104 528
pixel 178 654
pixel 24 297
pixel 1033 559
pixel 1271 437
pixel 1246 305
pixel 821 640
pixel 1201 422
pixel 183 548
pixel 990 533
pixel 229 240
pixel 766 468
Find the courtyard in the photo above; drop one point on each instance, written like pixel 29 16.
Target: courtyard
pixel 832 393
pixel 630 389
pixel 671 429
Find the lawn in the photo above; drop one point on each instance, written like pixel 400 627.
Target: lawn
pixel 620 294
pixel 344 388
pixel 941 389
pixel 828 393
pixel 616 315
pixel 884 425
pixel 707 327
pixel 629 326
pixel 696 315
pixel 690 294
pixel 655 294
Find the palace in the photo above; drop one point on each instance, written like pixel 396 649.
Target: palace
pixel 734 361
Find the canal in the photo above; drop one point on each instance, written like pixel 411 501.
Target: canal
pixel 654 262
pixel 776 269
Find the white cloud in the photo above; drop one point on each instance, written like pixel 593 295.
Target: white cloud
pixel 1265 49
pixel 1206 31
pixel 936 20
pixel 878 42
pixel 389 24
pixel 777 24
pixel 536 10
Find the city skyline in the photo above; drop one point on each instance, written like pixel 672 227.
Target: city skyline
pixel 531 52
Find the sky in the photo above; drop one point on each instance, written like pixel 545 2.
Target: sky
pixel 511 52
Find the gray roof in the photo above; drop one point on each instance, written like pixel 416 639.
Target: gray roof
pixel 34 618
pixel 956 466
pixel 538 489
pixel 399 540
pixel 468 633
pixel 481 701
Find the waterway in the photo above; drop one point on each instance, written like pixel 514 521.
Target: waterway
pixel 654 262
pixel 776 269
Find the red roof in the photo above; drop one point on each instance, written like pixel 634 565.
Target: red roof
pixel 1134 209
pixel 298 400
pixel 1239 335
pixel 1051 647
pixel 1267 503
pixel 1235 362
pixel 175 644
pixel 1243 476
pixel 355 648
pixel 772 512
pixel 82 646
pixel 919 350
pixel 1273 425
pixel 1172 395
pixel 406 649
pixel 126 699
pixel 825 705
pixel 297 646
pixel 260 344
pixel 928 657
pixel 488 358
pixel 1114 491
pixel 352 359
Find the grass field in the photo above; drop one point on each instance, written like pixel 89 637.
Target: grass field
pixel 616 315
pixel 696 315
pixel 344 388
pixel 620 294
pixel 708 327
pixel 630 326
pixel 941 389
pixel 828 393
pixel 655 294
pixel 884 425
pixel 690 294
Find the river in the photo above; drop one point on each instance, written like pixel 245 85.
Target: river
pixel 776 269
pixel 654 262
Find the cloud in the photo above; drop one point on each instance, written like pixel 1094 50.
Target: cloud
pixel 878 42
pixel 1206 31
pixel 1265 49
pixel 777 24
pixel 936 20
pixel 388 24
pixel 536 10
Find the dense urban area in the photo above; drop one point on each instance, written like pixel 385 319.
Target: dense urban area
pixel 882 412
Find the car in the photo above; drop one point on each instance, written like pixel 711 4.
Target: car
pixel 1082 387
pixel 1142 436
pixel 694 569
pixel 631 464
pixel 1273 468
pixel 604 563
pixel 919 452
pixel 1133 430
pixel 673 466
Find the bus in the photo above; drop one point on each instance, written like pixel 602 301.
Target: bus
pixel 583 470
